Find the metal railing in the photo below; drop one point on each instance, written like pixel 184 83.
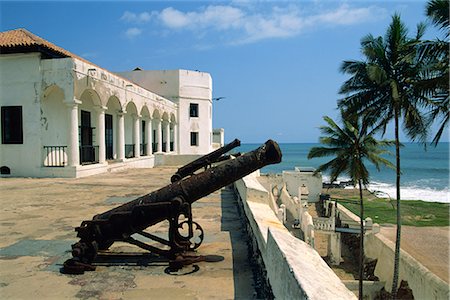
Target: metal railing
pixel 164 147
pixel 143 149
pixel 154 147
pixel 55 156
pixel 129 151
pixel 171 146
pixel 89 155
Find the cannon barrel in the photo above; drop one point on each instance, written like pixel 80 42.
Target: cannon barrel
pixel 204 161
pixel 167 203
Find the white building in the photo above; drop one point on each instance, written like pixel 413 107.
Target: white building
pixel 303 183
pixel 67 117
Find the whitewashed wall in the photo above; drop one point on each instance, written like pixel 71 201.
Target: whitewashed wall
pixel 20 85
pixel 295 179
pixel 294 269
pixel 183 87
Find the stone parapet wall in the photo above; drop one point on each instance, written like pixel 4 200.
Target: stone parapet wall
pixel 294 269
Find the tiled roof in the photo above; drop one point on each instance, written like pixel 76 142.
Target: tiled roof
pixel 24 40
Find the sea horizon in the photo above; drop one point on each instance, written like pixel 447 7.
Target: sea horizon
pixel 425 173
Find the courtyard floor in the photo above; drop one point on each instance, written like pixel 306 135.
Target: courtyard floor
pixel 37 224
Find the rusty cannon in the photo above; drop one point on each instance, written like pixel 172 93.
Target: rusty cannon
pixel 172 203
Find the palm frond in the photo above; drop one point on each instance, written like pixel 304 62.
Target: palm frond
pixel 438 12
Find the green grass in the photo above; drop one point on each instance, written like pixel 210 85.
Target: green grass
pixel 414 212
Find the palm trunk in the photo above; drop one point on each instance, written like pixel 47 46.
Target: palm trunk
pixel 361 241
pixel 399 221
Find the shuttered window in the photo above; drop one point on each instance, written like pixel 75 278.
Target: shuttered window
pixel 12 130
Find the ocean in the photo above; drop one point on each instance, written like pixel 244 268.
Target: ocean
pixel 425 173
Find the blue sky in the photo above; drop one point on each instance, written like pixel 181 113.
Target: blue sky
pixel 276 62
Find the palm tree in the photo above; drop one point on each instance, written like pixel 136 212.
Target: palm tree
pixel 384 86
pixel 435 83
pixel 351 144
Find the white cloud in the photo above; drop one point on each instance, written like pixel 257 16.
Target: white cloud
pixel 247 25
pixel 133 32
pixel 173 18
pixel 280 23
pixel 130 17
pixel 218 17
pixel 345 15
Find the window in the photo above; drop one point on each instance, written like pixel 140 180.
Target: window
pixel 193 110
pixel 194 138
pixel 12 131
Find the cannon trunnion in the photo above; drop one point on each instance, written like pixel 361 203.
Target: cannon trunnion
pixel 172 203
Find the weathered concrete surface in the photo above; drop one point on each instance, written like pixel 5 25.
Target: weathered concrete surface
pixel 37 223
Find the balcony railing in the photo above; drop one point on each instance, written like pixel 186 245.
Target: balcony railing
pixel 55 156
pixel 154 147
pixel 89 154
pixel 129 150
pixel 143 149
pixel 164 147
pixel 171 146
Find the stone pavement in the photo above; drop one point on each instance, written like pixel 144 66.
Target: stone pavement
pixel 37 223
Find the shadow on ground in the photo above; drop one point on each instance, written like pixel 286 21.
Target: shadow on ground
pixel 231 221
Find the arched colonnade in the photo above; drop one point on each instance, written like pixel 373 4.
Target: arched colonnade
pixel 90 128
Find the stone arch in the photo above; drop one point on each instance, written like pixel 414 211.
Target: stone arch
pixel 156 114
pixel 54 126
pixel 51 89
pixel 114 103
pixel 173 118
pixel 145 112
pixel 165 116
pixel 90 95
pixel 131 107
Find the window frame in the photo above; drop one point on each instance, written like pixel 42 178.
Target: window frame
pixel 194 137
pixel 15 136
pixel 193 113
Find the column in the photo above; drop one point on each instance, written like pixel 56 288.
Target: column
pixel 73 149
pixel 120 135
pixel 159 136
pixel 167 126
pixel 148 134
pixel 334 248
pixel 136 136
pixel 175 137
pixel 101 134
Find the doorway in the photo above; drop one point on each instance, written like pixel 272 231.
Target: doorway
pixel 109 136
pixel 87 152
pixel 143 144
